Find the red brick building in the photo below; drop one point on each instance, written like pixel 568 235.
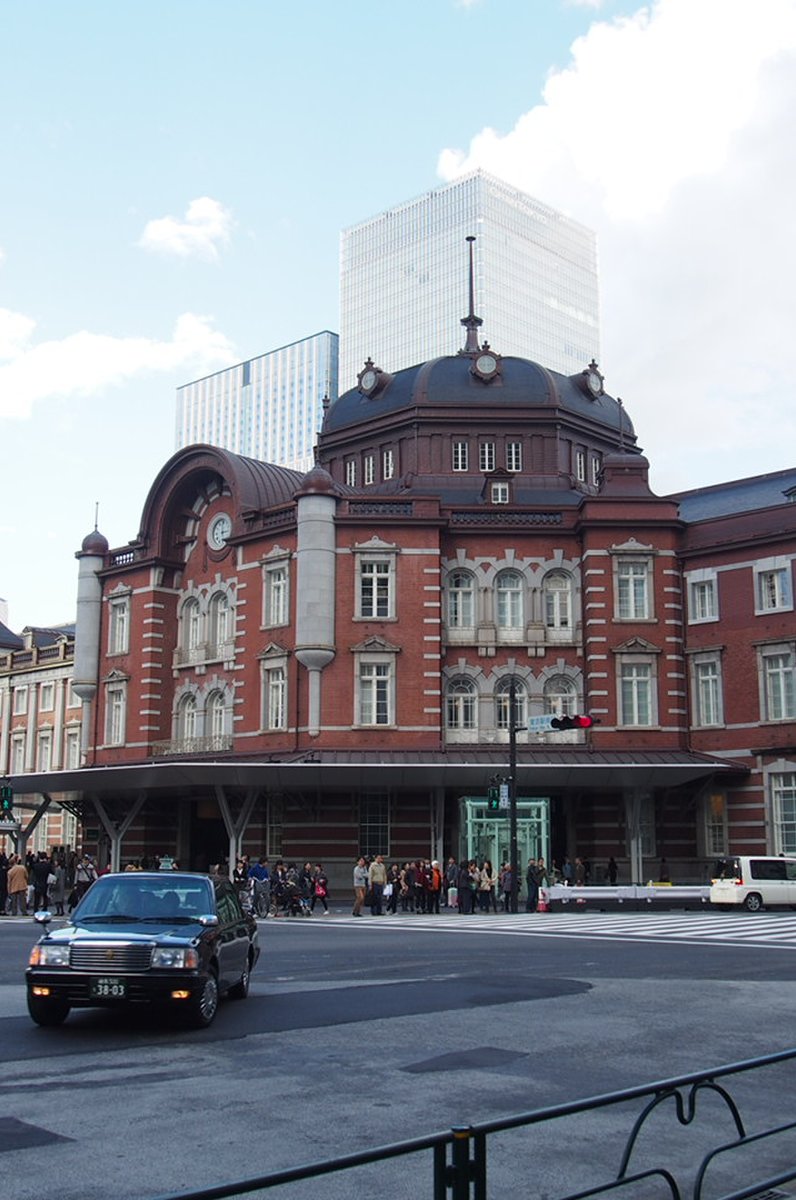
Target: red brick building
pixel 322 665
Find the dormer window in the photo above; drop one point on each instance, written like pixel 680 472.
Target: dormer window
pixel 499 493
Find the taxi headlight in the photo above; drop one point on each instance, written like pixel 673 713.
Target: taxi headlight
pixel 49 956
pixel 180 957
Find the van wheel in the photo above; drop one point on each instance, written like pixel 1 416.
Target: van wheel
pixel 753 902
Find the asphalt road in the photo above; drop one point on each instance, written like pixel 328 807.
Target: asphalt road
pixel 361 1033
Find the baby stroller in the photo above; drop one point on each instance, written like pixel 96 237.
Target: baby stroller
pixel 288 901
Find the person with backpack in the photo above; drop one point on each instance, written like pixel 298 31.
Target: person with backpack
pixel 320 889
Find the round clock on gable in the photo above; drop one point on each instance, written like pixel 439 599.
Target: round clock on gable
pixel 218 531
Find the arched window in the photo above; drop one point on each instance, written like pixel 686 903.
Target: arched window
pixel 220 620
pixel 503 715
pixel 558 601
pixel 560 696
pixel 215 715
pixel 461 600
pixel 186 718
pixel 509 590
pixel 191 625
pixel 460 705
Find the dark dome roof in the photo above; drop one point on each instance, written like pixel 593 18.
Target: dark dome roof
pixel 94 543
pixel 449 382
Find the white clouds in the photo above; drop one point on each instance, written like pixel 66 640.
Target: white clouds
pixel 670 134
pixel 207 225
pixel 84 363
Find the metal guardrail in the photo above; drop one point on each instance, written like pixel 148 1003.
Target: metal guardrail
pixel 459 1167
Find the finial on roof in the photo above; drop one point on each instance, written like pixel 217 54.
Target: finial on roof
pixel 96 515
pixel 471 322
pixel 621 423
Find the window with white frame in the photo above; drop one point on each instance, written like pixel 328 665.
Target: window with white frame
pixel 72 749
pixel 20 702
pixel 17 753
pixel 461 456
pixel 369 469
pixel 191 619
pixel 276 594
pixel 186 718
pixel 716 825
pixel 773 591
pixel 557 591
pixel 513 456
pixel 220 621
pixel 486 456
pixel 44 750
pixel 596 467
pixel 376 588
pixel 47 697
pixel 375 690
pixel 783 804
pixel 216 717
pixel 636 696
pixel 374 823
pixel 509 595
pixel 115 712
pixel 706 689
pixel 499 493
pixel 351 472
pixel 461 701
pixel 119 625
pixel 560 696
pixel 387 464
pixel 504 717
pixel 632 577
pixel 778 683
pixel 461 600
pixel 580 466
pixel 274 696
pixel 702 597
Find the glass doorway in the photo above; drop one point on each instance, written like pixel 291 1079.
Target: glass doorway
pixel 486 836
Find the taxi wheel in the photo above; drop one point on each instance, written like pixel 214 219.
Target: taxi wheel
pixel 204 1005
pixel 46 1011
pixel 241 989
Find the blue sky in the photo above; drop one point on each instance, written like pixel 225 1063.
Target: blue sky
pixel 174 177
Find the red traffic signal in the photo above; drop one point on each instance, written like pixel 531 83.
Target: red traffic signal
pixel 574 722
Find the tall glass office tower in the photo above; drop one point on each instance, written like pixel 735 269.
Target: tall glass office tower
pixel 403 280
pixel 269 407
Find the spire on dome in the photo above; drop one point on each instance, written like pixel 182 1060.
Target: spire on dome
pixel 471 322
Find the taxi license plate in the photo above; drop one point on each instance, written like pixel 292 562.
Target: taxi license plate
pixel 108 987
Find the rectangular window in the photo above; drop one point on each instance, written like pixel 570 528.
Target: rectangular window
pixel 20 701
pixel 119 633
pixel 72 749
pixel 783 802
pixel 387 464
pixel 276 595
pixel 274 827
pixel 44 751
pixel 486 456
pixel 716 825
pixel 596 467
pixel 513 456
pixel 375 591
pixel 707 692
pixel 580 466
pixel 369 473
pixel 461 456
pixel 116 703
pixel 779 688
pixel 773 589
pixel 632 581
pixel 17 754
pixel 702 600
pixel 351 473
pixel 374 824
pixel 275 698
pixel 47 697
pixel 636 693
pixel 375 693
pixel 500 493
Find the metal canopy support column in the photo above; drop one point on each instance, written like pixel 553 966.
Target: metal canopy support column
pixel 21 836
pixel 438 824
pixel 236 829
pixel 116 832
pixel 633 799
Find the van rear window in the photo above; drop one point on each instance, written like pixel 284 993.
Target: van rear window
pixel 727 868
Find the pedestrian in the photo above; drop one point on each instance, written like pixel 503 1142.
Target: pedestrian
pixel 377 877
pixel 435 890
pixel 486 887
pixel 392 889
pixel 451 873
pixel 506 886
pixel 532 883
pixel 360 885
pixel 39 877
pixel 85 874
pixel 260 877
pixel 58 888
pixel 567 872
pixel 580 873
pixel 17 887
pixel 320 889
pixel 613 871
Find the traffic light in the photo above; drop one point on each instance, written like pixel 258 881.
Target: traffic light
pixel 574 722
pixel 6 801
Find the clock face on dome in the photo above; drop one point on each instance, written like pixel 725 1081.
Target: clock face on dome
pixel 485 366
pixel 218 531
pixel 368 380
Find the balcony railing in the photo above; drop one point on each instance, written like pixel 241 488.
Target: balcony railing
pixel 217 743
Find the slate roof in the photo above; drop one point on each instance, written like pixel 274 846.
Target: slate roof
pixel 738 496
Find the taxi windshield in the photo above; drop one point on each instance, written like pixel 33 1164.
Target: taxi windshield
pixel 125 897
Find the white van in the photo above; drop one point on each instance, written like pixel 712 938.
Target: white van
pixel 754 881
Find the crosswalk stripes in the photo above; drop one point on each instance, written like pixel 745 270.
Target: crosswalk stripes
pixel 760 929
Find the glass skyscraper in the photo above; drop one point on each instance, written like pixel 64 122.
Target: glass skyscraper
pixel 269 407
pixel 403 280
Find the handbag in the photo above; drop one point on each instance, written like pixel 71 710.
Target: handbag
pixel 387 893
pixel 453 897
